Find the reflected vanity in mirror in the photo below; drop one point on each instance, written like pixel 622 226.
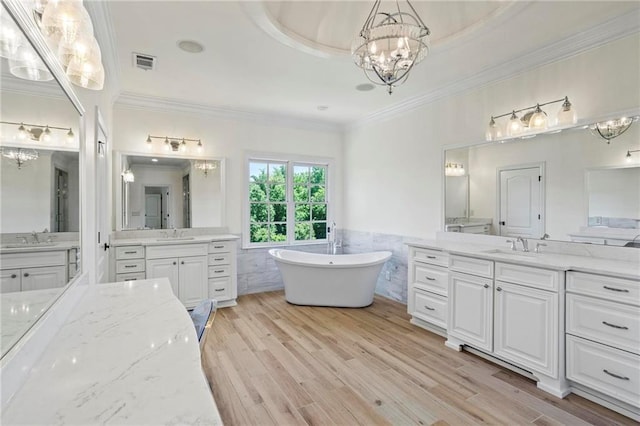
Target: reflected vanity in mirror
pixel 568 185
pixel 39 196
pixel 163 192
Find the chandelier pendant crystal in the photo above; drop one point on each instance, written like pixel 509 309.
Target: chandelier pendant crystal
pixel 390 44
pixel 610 129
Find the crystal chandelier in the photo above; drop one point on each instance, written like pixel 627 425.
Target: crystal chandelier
pixel 19 155
pixel 206 166
pixel 390 44
pixel 608 130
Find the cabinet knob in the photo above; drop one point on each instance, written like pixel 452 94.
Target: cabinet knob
pixel 182 263
pixel 175 263
pixel 14 276
pixel 486 286
pixel 499 288
pixel 26 274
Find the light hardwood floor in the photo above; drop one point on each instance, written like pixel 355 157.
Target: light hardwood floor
pixel 270 362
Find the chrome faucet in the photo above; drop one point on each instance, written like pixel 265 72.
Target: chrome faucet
pixel 513 244
pixel 525 243
pixel 545 237
pixel 331 239
pixel 34 234
pixel 538 245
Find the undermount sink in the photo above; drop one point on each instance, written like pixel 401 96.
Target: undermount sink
pixel 29 245
pixel 175 238
pixel 510 253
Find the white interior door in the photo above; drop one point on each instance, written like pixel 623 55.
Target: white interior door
pixel 153 211
pixel 521 206
pixel 102 206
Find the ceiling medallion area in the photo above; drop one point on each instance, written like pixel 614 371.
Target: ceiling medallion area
pixel 327 29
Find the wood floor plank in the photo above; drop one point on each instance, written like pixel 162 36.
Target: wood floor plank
pixel 270 362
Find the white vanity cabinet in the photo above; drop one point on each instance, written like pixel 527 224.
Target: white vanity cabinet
pixel 222 283
pixel 186 267
pixel 28 270
pixel 130 263
pixel 603 337
pixel 428 288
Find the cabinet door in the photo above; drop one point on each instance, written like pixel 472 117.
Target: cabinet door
pixel 471 310
pixel 193 280
pixel 42 278
pixel 164 268
pixel 10 280
pixel 526 327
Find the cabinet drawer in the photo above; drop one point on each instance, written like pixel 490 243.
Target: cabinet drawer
pixel 219 271
pixel 604 322
pixel 611 371
pixel 433 257
pixel 128 266
pixel 220 259
pixel 433 279
pixel 476 229
pixel 616 289
pixel 470 265
pixel 176 250
pixel 220 288
pixel 130 277
pixel 34 259
pixel 530 276
pixel 220 247
pixel 129 252
pixel 430 307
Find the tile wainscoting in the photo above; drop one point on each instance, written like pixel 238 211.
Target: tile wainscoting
pixel 257 271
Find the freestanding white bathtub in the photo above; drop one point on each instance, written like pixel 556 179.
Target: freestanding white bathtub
pixel 345 280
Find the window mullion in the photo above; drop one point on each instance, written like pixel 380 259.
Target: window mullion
pixel 291 211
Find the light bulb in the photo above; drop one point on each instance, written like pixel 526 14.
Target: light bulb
pixel 373 48
pixel 494 132
pixel 200 147
pixel 567 114
pixel 22 132
pixel 183 146
pixel 628 156
pixel 514 126
pixel 538 120
pixel 46 135
pixel 70 136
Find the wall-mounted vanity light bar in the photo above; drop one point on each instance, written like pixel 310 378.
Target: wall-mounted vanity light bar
pixel 174 144
pixel 39 132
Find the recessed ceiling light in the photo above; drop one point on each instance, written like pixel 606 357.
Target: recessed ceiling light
pixel 322 107
pixel 365 87
pixel 190 46
pixel 155 160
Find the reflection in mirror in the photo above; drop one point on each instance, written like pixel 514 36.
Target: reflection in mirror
pixel 569 185
pixel 164 192
pixel 39 198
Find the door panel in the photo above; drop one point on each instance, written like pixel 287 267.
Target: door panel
pixel 43 278
pixel 471 313
pixel 165 268
pixel 193 280
pixel 153 211
pixel 521 202
pixel 10 280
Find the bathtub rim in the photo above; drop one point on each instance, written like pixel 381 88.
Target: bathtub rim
pixel 386 256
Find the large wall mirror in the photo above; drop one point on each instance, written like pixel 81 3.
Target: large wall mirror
pixel 571 186
pixel 40 177
pixel 163 192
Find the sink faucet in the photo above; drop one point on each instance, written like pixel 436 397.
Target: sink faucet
pixel 525 243
pixel 513 244
pixel 545 237
pixel 34 234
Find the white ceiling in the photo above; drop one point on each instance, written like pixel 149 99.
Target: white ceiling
pixel 287 58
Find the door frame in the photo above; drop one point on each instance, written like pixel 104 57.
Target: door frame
pixel 102 241
pixel 541 165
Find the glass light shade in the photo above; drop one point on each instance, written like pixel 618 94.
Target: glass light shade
pixel 567 114
pixel 65 20
pixel 200 147
pixel 628 157
pixel 84 48
pixel 87 74
pixel 10 37
pixel 70 137
pixel 494 132
pixel 46 135
pixel 514 126
pixel 28 65
pixel 538 120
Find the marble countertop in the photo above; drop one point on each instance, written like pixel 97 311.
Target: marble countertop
pixel 161 241
pixel 127 354
pixel 555 261
pixel 54 246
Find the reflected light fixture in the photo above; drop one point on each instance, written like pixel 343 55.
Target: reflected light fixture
pixel 128 176
pixel 534 120
pixel 390 44
pixel 610 129
pixel 628 156
pixel 174 144
pixel 19 155
pixel 206 166
pixel 454 169
pixel 39 132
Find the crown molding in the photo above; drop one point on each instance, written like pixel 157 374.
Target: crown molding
pixel 105 33
pixel 152 103
pixel 607 32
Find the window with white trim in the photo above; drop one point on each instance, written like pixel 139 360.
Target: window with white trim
pixel 287 202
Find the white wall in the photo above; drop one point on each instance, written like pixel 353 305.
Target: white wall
pixel 230 139
pixel 393 174
pixel 206 211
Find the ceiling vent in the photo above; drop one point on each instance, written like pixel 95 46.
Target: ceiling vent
pixel 144 62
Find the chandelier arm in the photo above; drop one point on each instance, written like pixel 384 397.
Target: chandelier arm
pixel 372 14
pixel 399 13
pixel 418 17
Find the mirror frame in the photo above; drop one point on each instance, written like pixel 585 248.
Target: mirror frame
pixel 25 23
pixel 117 183
pixel 582 124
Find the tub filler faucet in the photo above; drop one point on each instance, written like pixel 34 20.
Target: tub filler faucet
pixel 332 244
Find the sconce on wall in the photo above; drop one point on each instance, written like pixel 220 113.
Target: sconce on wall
pixel 19 155
pixel 454 169
pixel 175 144
pixel 206 166
pixel 610 129
pixel 39 132
pixel 628 156
pixel 533 121
pixel 128 176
